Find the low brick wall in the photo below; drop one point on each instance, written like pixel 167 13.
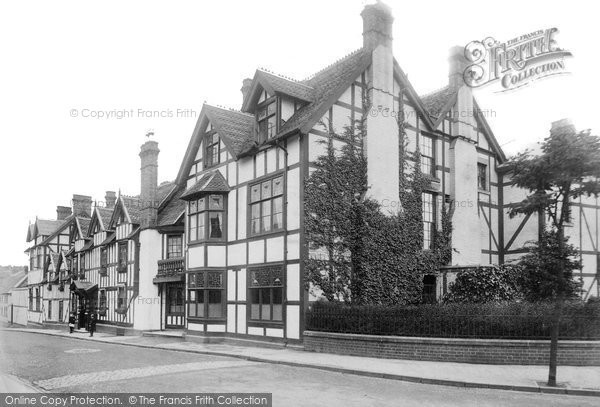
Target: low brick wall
pixel 487 351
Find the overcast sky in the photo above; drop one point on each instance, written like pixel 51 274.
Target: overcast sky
pixel 63 57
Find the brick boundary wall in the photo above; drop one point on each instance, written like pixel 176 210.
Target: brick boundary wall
pixel 487 351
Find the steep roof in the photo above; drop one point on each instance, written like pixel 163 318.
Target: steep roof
pixel 212 181
pixel 104 215
pixel 436 102
pixel 276 84
pixel 47 227
pixel 171 212
pixel 235 128
pixel 11 279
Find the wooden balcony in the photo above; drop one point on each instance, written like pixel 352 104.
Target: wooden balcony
pixel 171 267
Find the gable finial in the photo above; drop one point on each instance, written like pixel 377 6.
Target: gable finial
pixel 149 133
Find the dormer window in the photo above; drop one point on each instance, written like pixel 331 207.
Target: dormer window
pixel 266 115
pixel 213 150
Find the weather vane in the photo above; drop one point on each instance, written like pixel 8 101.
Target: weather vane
pixel 149 133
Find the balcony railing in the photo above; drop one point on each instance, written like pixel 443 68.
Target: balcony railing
pixel 171 267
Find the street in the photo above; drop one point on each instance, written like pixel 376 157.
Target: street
pixel 69 365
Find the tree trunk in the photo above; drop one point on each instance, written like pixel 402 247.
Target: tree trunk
pixel 557 313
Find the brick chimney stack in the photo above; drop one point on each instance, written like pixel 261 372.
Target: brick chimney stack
pixel 246 85
pixel 381 142
pixel 63 212
pixel 149 183
pixel 110 198
pixel 82 205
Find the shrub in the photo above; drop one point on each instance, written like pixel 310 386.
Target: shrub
pixel 487 284
pixel 516 320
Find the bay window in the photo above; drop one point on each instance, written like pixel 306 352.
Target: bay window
pixel 266 206
pixel 206 294
pixel 206 218
pixel 265 289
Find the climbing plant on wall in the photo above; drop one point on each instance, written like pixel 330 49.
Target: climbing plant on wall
pixel 360 253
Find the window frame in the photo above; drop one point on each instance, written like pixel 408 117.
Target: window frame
pixel 119 298
pixel 168 254
pixel 103 260
pixel 432 223
pixel 211 144
pixel 273 100
pixel 429 159
pixel 485 177
pixel 250 286
pixel 260 202
pixel 122 260
pixel 205 288
pixel 204 214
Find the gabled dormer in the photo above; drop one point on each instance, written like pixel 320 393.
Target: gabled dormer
pixel 273 100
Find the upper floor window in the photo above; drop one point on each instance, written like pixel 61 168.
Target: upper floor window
pixel 427 157
pixel 266 206
pixel 103 259
pixel 174 246
pixel 428 219
pixel 122 266
pixel 206 216
pixel 213 150
pixel 482 177
pixel 121 296
pixel 267 118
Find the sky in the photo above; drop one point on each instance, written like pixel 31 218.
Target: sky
pixel 152 64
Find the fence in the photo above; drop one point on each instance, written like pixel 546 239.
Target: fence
pixel 440 322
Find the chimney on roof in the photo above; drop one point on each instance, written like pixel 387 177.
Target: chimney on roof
pixel 110 198
pixel 82 205
pixel 377 25
pixel 381 141
pixel 457 65
pixel 246 84
pixel 563 126
pixel 149 183
pixel 63 212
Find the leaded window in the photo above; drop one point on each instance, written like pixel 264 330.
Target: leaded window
pixel 206 294
pixel 122 267
pixel 121 297
pixel 428 219
pixel 103 260
pixel 266 206
pixel 267 118
pixel 265 287
pixel 213 150
pixel 427 157
pixel 482 176
pixel 174 246
pixel 206 218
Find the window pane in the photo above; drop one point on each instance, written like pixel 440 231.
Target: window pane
pixel 192 309
pixel 278 186
pixel 266 190
pixel 216 202
pixel 255 220
pixel 265 303
pixel 200 302
pixel 266 216
pixel 271 108
pixel 216 225
pixel 272 130
pixel 277 304
pixel 193 206
pixel 262 113
pixel 201 234
pixel 255 193
pixel 254 304
pixel 215 306
pixel 201 204
pixel 192 294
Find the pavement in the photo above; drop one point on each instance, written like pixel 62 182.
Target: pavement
pixel 573 380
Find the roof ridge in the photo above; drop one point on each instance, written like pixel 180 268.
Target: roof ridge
pixel 434 91
pixel 289 78
pixel 334 63
pixel 230 109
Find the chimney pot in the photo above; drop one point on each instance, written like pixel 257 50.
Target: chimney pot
pixel 82 205
pixel 149 183
pixel 457 63
pixel 246 85
pixel 377 25
pixel 110 198
pixel 63 212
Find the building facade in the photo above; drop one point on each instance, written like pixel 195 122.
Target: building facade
pixel 221 249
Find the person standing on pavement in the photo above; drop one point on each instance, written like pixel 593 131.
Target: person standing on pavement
pixel 92 326
pixel 71 322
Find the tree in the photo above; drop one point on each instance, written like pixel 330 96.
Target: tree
pixel 567 168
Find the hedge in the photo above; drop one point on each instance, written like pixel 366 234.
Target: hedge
pixel 491 320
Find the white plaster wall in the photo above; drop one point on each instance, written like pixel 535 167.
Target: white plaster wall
pixel 147 305
pixel 196 256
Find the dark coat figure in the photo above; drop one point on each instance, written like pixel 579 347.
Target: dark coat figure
pixel 92 323
pixel 71 322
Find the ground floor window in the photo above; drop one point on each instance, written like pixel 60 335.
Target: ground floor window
pixel 31 299
pixel 50 309
pixel 60 310
pixel 206 296
pixel 37 299
pixel 265 288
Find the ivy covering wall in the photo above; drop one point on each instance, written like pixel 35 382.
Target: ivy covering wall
pixel 360 253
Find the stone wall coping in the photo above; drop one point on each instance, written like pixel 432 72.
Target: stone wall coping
pixel 563 343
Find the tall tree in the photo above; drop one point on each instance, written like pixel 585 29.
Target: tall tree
pixel 567 168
